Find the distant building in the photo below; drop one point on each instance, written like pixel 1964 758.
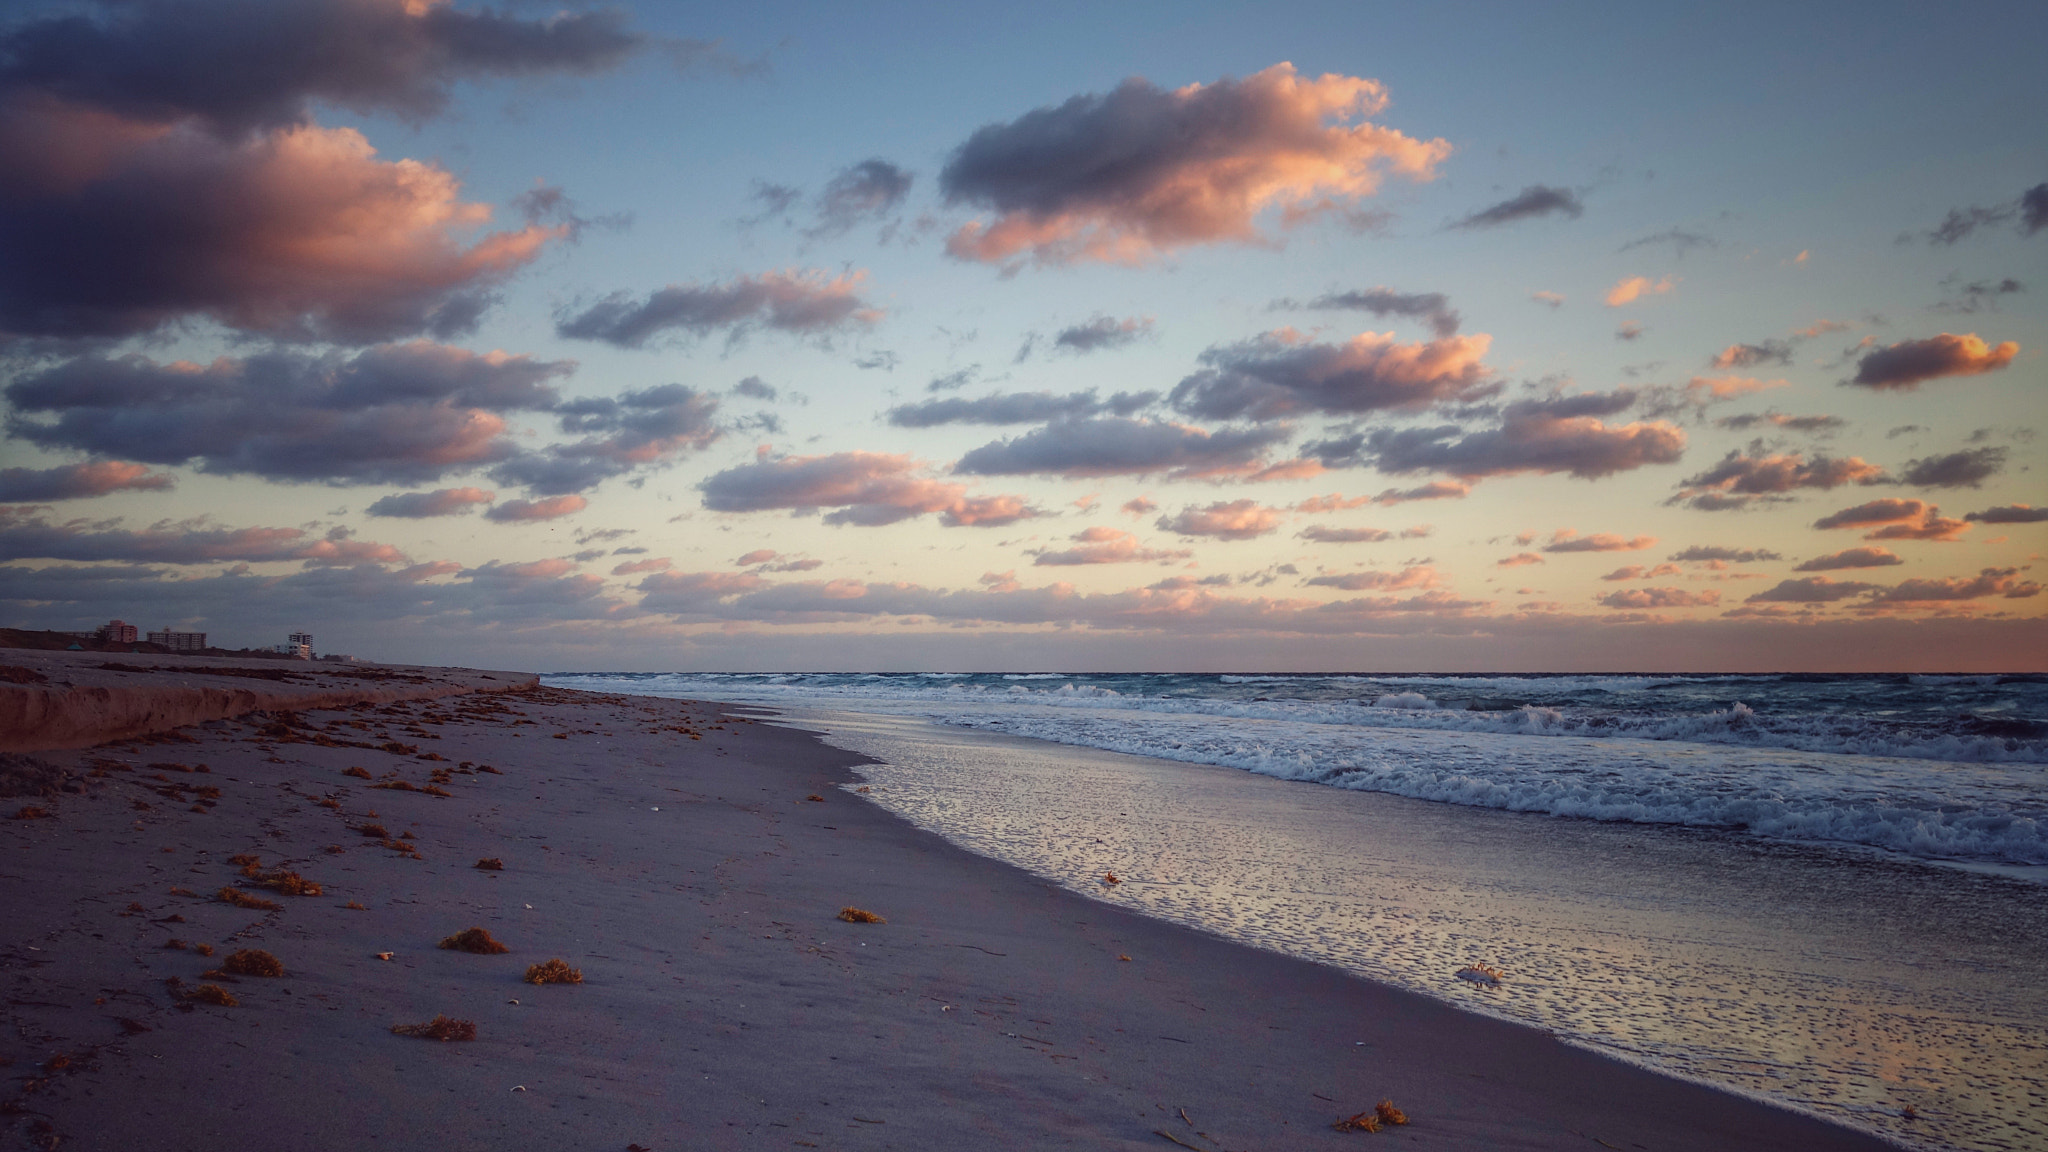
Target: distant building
pixel 179 641
pixel 117 632
pixel 302 638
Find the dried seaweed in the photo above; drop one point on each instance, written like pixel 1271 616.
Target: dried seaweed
pixel 477 940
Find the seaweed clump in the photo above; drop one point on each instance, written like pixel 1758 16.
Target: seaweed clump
pixel 556 971
pixel 854 915
pixel 212 994
pixel 491 864
pixel 241 899
pixel 253 962
pixel 439 1028
pixel 477 940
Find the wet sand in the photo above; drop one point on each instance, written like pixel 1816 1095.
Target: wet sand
pixel 672 852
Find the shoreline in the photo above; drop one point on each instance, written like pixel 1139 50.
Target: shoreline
pixel 725 1005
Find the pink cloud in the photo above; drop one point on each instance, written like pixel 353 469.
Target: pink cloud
pixel 1518 560
pixel 1284 373
pixel 1224 520
pixel 1102 545
pixel 1647 598
pixel 865 488
pixel 1414 577
pixel 441 502
pixel 530 511
pixel 78 481
pixel 655 564
pixel 1632 288
pixel 1567 540
pixel 1901 520
pixel 1195 165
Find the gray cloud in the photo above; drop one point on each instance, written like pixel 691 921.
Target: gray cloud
pixel 1432 307
pixel 393 413
pixel 1103 545
pixel 2031 209
pixel 533 511
pixel 1531 202
pixel 1740 478
pixel 1111 445
pixel 421 505
pixel 1713 552
pixel 2004 582
pixel 24 535
pixel 1909 363
pixel 1811 590
pixel 1872 557
pixel 1015 408
pixel 1224 520
pixel 1751 355
pixel 1103 332
pixel 1281 374
pixel 858 194
pixel 634 430
pixel 1323 535
pixel 1681 241
pixel 2009 514
pixel 78 481
pixel 1560 434
pixel 1980 295
pixel 867 489
pixel 1966 469
pixel 807 303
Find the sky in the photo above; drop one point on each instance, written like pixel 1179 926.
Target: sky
pixel 1317 337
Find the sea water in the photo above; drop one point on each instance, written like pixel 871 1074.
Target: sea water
pixel 1826 891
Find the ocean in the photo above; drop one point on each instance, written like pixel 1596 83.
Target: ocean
pixel 1829 891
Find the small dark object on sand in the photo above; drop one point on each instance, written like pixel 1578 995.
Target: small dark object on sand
pixel 491 864
pixel 475 940
pixel 854 915
pixel 212 994
pixel 439 1028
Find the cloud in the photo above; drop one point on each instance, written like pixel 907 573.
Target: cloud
pixel 301 233
pixel 1224 520
pixel 857 194
pixel 440 502
pixel 1566 540
pixel 2009 514
pixel 1557 434
pixel 399 413
pixel 1283 373
pixel 1739 478
pixel 1322 535
pixel 755 388
pixel 1640 572
pixel 1851 558
pixel 1434 490
pixel 1014 408
pixel 78 481
pixel 2004 582
pixel 1980 295
pixel 1650 598
pixel 1710 553
pixel 1519 560
pixel 693 592
pixel 1103 332
pixel 1886 511
pixel 2031 208
pixel 163 62
pixel 1632 288
pixel 1433 308
pixel 1142 171
pixel 1966 469
pixel 1102 545
pixel 1817 425
pixel 1681 241
pixel 1554 299
pixel 867 489
pixel 634 567
pixel 1897 519
pixel 1750 355
pixel 1910 362
pixel 1630 332
pixel 1412 577
pixel 1811 590
pixel 635 430
pixel 808 303
pixel 1114 445
pixel 530 511
pixel 1531 202
pixel 24 535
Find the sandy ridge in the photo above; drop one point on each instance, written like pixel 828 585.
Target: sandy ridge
pixel 55 700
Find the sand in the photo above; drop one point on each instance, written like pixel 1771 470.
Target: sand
pixel 674 854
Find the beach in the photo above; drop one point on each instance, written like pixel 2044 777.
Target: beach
pixel 692 863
